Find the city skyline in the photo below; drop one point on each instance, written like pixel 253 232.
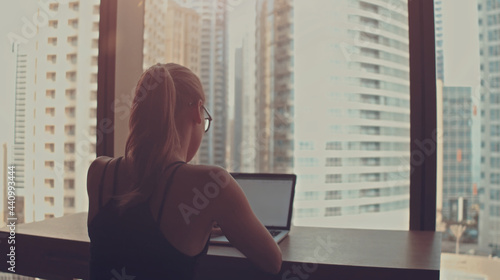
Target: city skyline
pixel 335 112
pixel 271 126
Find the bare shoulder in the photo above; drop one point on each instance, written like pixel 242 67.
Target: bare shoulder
pixel 206 191
pixel 207 176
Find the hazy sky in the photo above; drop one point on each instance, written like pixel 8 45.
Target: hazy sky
pixel 460 43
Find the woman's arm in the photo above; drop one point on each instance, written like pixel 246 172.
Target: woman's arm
pixel 242 228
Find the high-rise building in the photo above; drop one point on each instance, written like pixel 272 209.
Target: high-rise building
pixel 19 144
pixel 352 128
pixel 237 126
pixel 58 111
pixel 489 44
pixel 438 27
pixel 171 34
pixel 241 29
pixel 213 64
pixel 275 95
pixel 461 131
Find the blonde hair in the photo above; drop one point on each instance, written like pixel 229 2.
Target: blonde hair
pixel 161 92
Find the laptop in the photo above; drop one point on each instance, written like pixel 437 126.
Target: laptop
pixel 271 198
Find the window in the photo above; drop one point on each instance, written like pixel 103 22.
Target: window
pixel 70 112
pixel 330 195
pixel 51 76
pixel 470 108
pixel 333 161
pixel 93 95
pixel 69 202
pixel 92 148
pixel 307 212
pixel 69 165
pixel 52 58
pixel 71 58
pixel 92 130
pixel 71 76
pixel 73 40
pixel 49 201
pixel 93 113
pixel 333 211
pixel 69 147
pixel 71 94
pixel 49 164
pixel 69 130
pixel 49 147
pixel 333 178
pixel 73 22
pixel 53 23
pixel 50 129
pixel 54 6
pixel 49 183
pixel 50 93
pixel 52 41
pixel 333 145
pixel 50 111
pixel 69 184
pixel 74 5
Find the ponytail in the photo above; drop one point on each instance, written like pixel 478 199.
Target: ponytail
pixel 153 133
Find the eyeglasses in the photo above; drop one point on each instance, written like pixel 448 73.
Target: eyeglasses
pixel 208 119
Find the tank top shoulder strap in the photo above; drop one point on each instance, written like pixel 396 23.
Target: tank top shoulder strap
pixel 167 186
pixel 117 165
pixel 101 183
pixel 165 170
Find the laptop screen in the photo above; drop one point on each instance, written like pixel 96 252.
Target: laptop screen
pixel 270 198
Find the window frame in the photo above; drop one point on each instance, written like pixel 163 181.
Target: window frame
pixel 422 105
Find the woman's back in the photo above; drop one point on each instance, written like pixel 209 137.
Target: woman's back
pixel 134 243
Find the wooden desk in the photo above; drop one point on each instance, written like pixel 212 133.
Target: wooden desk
pixel 58 248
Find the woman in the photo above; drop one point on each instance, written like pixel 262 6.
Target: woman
pixel 144 217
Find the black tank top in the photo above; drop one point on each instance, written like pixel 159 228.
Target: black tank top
pixel 132 244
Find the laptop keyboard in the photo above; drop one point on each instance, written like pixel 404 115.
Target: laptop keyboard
pixel 274 232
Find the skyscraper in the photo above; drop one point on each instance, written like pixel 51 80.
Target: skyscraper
pixel 489 44
pixel 213 64
pixel 241 28
pixel 19 144
pixel 275 95
pixel 438 26
pixel 461 157
pixel 59 110
pixel 352 128
pixel 171 34
pixel 237 126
